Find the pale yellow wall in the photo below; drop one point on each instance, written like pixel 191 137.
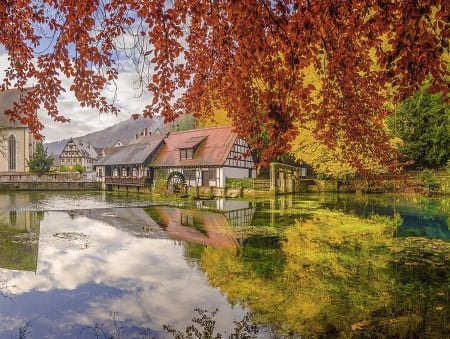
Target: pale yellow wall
pixel 25 145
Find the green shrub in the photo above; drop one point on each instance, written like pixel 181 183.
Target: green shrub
pixel 428 181
pixel 64 169
pixel 239 182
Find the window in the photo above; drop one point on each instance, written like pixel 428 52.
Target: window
pixel 212 174
pixel 12 153
pixel 189 173
pixel 13 218
pixel 186 153
pixel 187 220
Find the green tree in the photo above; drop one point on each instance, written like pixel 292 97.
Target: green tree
pixel 40 162
pixel 423 123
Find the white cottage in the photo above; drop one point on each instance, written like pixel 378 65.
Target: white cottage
pixel 205 157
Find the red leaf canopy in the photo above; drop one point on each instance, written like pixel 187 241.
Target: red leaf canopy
pixel 248 56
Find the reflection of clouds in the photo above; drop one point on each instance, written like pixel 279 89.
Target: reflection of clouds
pixel 147 280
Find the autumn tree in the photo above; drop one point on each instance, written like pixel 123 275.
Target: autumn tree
pixel 247 55
pixel 325 162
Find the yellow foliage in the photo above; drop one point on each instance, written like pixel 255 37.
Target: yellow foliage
pixel 322 159
pixel 218 117
pixel 334 265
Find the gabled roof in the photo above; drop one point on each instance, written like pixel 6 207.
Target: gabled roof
pixel 136 153
pixel 86 149
pixel 212 147
pixel 192 142
pixel 7 100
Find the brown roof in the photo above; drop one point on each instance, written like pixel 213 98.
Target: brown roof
pixel 138 153
pixel 7 100
pixel 211 147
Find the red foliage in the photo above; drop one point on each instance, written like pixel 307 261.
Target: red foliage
pixel 248 55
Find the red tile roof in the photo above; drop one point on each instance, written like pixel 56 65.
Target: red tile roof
pixel 211 147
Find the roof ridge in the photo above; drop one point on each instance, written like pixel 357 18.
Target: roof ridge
pixel 202 129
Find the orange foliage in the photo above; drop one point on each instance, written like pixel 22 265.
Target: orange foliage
pixel 221 47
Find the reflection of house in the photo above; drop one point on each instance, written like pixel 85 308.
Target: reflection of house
pixel 77 152
pixel 206 228
pixel 17 144
pixel 128 165
pixel 19 239
pixel 205 157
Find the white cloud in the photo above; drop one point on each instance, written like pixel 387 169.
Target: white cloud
pixel 156 283
pixel 86 120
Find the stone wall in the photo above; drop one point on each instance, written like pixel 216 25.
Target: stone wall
pixel 50 186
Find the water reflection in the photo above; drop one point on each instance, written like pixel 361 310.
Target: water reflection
pixel 67 200
pixel 19 235
pixel 329 266
pixel 89 268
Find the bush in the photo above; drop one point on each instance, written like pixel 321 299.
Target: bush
pixel 239 182
pixel 428 181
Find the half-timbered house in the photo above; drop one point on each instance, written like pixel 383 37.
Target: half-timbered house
pixel 78 152
pixel 204 157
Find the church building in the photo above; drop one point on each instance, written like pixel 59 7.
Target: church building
pixel 17 144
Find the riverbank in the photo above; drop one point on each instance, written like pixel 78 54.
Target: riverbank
pixel 46 182
pixel 433 183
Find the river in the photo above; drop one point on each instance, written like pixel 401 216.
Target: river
pixel 102 265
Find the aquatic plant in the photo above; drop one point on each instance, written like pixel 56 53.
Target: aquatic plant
pixel 204 327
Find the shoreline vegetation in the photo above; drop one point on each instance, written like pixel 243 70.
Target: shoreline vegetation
pixel 425 182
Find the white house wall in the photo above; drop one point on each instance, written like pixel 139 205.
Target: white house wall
pixel 233 172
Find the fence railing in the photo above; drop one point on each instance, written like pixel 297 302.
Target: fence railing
pixel 128 181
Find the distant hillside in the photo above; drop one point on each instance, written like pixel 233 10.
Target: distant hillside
pixel 124 131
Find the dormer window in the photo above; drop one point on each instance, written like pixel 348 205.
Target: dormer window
pixel 186 153
pixel 188 147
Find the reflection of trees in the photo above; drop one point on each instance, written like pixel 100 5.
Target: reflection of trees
pixel 19 234
pixel 341 276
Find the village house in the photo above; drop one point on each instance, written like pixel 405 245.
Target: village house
pixel 128 165
pixel 204 157
pixel 78 152
pixel 17 144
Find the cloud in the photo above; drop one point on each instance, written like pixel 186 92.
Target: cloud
pixel 108 270
pixel 86 120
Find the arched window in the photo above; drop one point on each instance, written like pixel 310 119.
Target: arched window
pixel 12 153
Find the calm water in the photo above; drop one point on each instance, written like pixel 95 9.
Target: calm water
pixel 96 265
